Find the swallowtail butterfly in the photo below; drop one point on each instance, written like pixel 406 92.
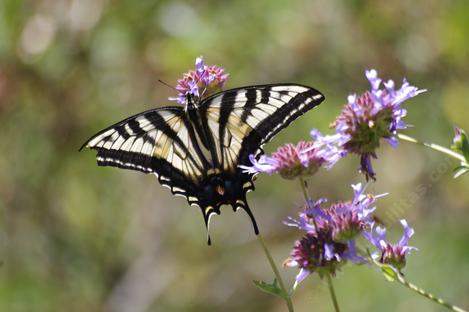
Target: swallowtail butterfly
pixel 196 150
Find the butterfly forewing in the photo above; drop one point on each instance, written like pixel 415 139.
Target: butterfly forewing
pixel 154 141
pixel 245 119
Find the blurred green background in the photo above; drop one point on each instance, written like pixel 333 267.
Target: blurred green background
pixel 76 237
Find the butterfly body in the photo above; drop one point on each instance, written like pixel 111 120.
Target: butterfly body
pixel 196 150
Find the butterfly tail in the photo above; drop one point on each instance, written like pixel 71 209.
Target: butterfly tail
pixel 208 212
pixel 243 204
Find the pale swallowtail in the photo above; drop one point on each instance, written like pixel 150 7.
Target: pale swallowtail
pixel 196 150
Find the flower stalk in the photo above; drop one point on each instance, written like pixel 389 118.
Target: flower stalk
pixel 286 296
pixel 307 198
pixel 427 295
pixel 332 292
pixel 433 146
pixel 392 274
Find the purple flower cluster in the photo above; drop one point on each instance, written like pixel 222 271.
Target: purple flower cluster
pixel 292 161
pixel 329 239
pixel 392 254
pixel 204 80
pixel 367 118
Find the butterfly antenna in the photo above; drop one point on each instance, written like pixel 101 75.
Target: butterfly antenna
pixel 203 92
pixel 167 84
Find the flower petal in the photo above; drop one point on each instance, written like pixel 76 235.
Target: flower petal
pixel 351 253
pixel 372 76
pixel 304 273
pixel 200 65
pixel 264 164
pixel 328 252
pixel 393 141
pixel 408 232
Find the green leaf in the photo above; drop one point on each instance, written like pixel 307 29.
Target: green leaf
pixel 391 274
pixel 272 288
pixel 459 171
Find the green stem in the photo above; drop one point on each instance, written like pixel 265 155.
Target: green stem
pixel 332 292
pixel 277 274
pixel 427 295
pixel 392 274
pixel 303 188
pixel 435 147
pixel 307 198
